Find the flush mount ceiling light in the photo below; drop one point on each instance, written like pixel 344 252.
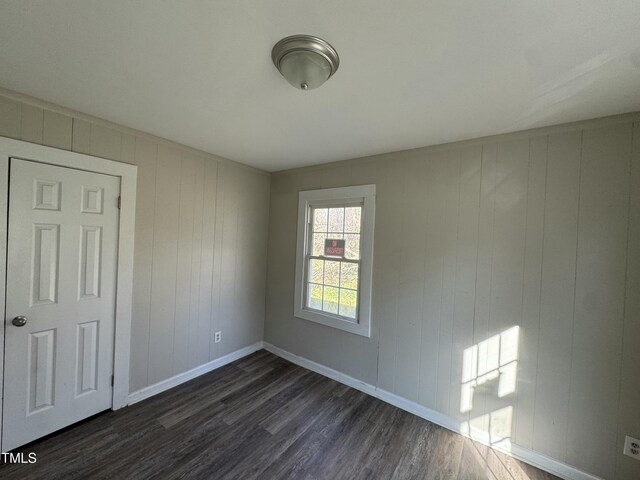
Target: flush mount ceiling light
pixel 305 61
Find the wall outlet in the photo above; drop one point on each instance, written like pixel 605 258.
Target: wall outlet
pixel 217 337
pixel 632 447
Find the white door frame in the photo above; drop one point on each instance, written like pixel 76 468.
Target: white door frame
pixel 128 176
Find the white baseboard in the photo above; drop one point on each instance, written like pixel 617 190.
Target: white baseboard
pixel 529 456
pixel 160 387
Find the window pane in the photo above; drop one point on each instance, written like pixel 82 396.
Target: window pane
pixel 330 300
pixel 316 270
pixel 348 303
pixel 352 217
pixel 336 220
pixel 320 219
pixel 314 296
pixel 352 247
pixel 317 248
pixel 349 275
pixel 332 273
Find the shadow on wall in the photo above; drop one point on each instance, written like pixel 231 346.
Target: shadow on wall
pixel 489 371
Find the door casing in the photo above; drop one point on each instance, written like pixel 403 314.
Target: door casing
pixel 124 281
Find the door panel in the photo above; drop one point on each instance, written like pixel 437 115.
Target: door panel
pixel 40 370
pixel 90 256
pixel 61 274
pixel 44 280
pixel 87 357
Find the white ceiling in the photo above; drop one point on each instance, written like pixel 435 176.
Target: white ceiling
pixel 412 72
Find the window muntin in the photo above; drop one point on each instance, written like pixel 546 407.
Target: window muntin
pixel 332 282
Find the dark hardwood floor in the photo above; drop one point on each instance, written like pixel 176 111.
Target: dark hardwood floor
pixel 263 417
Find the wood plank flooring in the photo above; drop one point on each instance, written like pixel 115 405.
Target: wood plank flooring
pixel 263 417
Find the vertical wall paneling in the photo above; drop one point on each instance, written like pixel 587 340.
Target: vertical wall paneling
pixel 450 163
pixel 105 142
pixel 245 265
pixel 628 418
pixel 241 284
pixel 178 192
pixel 31 124
pixel 433 218
pixel 128 148
pixel 57 130
pixel 163 277
pixel 497 353
pixel 196 261
pixel 556 298
pixel 388 224
pixel 465 278
pixel 81 136
pixel 474 401
pixel 410 240
pixel 229 231
pixel 557 254
pixel 599 298
pixel 500 272
pixel 282 231
pixel 146 160
pixel 182 325
pixel 257 266
pixel 240 303
pixel 337 176
pixel 209 319
pixel 10 117
pixel 530 323
pixel 249 283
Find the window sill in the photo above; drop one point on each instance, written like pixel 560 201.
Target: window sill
pixel 334 322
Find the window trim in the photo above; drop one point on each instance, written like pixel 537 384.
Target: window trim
pixel 337 196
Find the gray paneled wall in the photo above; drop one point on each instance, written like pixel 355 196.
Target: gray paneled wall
pixel 537 231
pixel 201 236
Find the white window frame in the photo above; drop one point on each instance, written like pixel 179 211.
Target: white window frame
pixel 365 194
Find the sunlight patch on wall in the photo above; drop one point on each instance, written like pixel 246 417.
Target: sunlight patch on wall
pixel 490 368
pixel 494 358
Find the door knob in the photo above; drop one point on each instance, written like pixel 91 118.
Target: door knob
pixel 19 321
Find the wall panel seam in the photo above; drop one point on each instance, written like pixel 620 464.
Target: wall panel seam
pixel 214 319
pixel 153 243
pixel 455 278
pixel 175 288
pixel 514 427
pixel 575 285
pixel 624 301
pixel 544 221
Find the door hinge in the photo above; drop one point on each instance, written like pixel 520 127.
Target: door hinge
pixel 119 203
pixel 112 380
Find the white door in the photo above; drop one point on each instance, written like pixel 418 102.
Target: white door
pixel 61 279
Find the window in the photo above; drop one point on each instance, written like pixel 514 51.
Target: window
pixel 334 257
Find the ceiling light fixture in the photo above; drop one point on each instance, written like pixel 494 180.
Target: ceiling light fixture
pixel 305 61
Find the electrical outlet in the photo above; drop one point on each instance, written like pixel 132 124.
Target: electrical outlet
pixel 217 337
pixel 632 447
